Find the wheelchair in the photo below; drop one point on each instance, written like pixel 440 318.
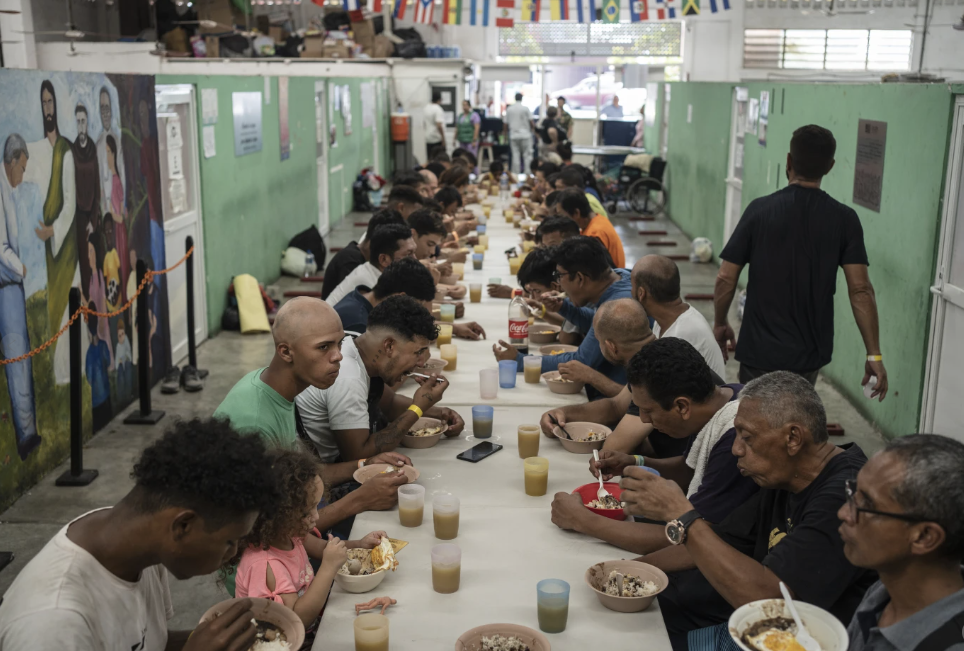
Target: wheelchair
pixel 644 193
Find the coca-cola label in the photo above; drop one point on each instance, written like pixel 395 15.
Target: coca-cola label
pixel 518 328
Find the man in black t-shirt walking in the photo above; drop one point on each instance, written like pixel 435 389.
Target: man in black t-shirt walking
pixel 794 240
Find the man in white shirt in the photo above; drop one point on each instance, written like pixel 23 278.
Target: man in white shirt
pixel 388 243
pixel 340 420
pixel 433 121
pixel 613 110
pixel 14 337
pixel 518 126
pixel 52 169
pixel 101 583
pixel 656 285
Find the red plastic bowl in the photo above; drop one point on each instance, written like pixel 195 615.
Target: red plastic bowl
pixel 588 493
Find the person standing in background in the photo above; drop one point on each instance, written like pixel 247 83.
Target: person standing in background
pixel 467 130
pixel 14 336
pixel 518 127
pixel 433 121
pixel 639 140
pixel 564 119
pixel 613 110
pixel 794 240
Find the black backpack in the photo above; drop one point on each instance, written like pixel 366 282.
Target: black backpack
pixel 310 240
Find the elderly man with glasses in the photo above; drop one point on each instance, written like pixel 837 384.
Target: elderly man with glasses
pixel 786 532
pixel 903 519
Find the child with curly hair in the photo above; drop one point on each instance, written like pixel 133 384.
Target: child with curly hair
pixel 273 559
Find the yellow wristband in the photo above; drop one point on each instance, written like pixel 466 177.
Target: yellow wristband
pixel 875 358
pixel 361 462
pixel 415 408
pixel 542 311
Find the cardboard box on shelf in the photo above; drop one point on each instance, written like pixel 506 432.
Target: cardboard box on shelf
pixel 317 47
pixel 212 45
pixel 382 47
pixel 278 33
pixel 223 12
pixel 364 33
pixel 337 50
pixel 314 46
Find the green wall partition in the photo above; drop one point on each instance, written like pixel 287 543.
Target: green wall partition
pixel 252 205
pixel 901 239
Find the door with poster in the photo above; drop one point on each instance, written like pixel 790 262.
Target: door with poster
pixel 943 410
pixel 734 169
pixel 177 130
pixel 321 145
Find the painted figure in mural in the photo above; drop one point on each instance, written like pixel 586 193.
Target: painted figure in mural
pixel 124 363
pixel 52 169
pixel 98 366
pixel 87 175
pixel 93 286
pixel 109 171
pixel 14 339
pixel 116 206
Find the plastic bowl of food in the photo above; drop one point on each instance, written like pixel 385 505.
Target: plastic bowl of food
pixel 472 640
pixel 432 365
pixel 365 473
pixel 358 583
pixel 273 619
pixel 580 432
pixel 756 617
pixel 639 575
pixel 558 385
pixel 558 349
pixel 418 438
pixel 543 333
pixel 588 494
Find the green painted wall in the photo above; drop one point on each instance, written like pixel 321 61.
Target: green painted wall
pixel 697 157
pixel 252 205
pixel 901 240
pixel 651 133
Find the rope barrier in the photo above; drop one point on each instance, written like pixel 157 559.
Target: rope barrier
pixel 86 311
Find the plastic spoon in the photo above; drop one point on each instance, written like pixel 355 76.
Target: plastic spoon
pixel 803 637
pixel 563 429
pixel 602 493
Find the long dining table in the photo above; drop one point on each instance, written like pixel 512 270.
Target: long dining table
pixel 507 539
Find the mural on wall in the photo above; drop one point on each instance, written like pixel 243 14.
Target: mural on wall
pixel 79 205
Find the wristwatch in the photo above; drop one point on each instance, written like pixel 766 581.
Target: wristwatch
pixel 676 529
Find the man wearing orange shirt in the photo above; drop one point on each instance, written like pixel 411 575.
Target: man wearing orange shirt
pixel 573 202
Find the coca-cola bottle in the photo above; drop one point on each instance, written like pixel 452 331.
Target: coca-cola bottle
pixel 519 322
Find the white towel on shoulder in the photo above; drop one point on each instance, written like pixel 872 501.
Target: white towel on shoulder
pixel 708 437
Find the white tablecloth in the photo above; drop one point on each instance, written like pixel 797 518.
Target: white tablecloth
pixel 507 539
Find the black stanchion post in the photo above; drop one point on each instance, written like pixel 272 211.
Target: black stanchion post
pixel 76 475
pixel 145 415
pixel 191 335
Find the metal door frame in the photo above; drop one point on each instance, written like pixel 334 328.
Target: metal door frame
pixel 943 293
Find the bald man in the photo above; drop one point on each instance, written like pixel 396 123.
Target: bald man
pixel 307 336
pixel 430 186
pixel 656 285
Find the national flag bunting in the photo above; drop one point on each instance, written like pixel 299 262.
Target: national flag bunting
pixel 400 8
pixel 424 11
pixel 452 13
pixel 586 14
pixel 559 9
pixel 714 8
pixel 610 11
pixel 638 10
pixel 506 13
pixel 665 9
pixel 377 6
pixel 691 7
pixel 530 11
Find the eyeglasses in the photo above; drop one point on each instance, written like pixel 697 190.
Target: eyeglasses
pixel 557 275
pixel 850 488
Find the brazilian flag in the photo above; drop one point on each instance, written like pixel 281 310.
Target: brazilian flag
pixel 691 7
pixel 610 11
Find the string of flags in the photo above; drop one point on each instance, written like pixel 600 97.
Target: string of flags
pixel 505 13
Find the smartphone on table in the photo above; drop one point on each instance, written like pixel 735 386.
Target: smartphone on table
pixel 479 452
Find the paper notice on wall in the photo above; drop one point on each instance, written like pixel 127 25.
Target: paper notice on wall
pixel 267 90
pixel 764 103
pixel 177 193
pixel 210 147
pixel 346 108
pixel 869 163
pixel 174 140
pixel 742 94
pixel 446 97
pixel 209 105
pixel 367 105
pixel 175 164
pixel 689 114
pixel 753 114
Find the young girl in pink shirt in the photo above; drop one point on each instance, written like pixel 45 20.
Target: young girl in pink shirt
pixel 274 557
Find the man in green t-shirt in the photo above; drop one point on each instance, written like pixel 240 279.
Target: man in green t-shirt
pixel 307 334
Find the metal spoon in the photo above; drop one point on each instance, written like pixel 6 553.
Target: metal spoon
pixel 602 493
pixel 556 423
pixel 803 637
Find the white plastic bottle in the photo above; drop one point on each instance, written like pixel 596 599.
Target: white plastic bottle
pixel 311 267
pixel 504 185
pixel 519 322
